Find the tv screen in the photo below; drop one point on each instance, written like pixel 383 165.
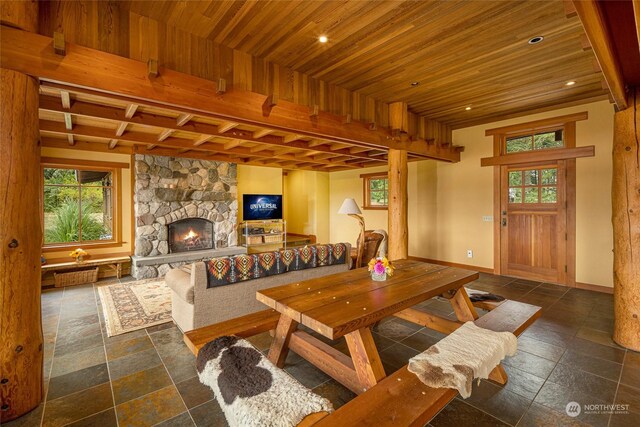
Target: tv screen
pixel 261 206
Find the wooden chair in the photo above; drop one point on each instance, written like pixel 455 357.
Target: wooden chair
pixel 372 241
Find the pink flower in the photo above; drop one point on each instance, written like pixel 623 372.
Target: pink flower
pixel 379 268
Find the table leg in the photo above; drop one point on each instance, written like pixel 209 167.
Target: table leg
pixel 366 359
pixel 462 306
pixel 280 343
pixel 499 375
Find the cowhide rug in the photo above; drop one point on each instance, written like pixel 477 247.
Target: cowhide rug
pixel 251 390
pixel 469 352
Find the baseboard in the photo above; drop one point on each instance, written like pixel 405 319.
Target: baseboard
pixel 596 288
pixel 453 264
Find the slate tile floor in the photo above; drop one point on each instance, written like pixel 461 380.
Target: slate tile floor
pixel 148 377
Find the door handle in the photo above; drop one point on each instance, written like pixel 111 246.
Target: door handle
pixel 504 222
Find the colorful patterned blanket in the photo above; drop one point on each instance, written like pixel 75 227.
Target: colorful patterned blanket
pixel 228 270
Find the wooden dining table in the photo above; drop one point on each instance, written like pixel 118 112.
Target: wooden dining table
pixel 348 304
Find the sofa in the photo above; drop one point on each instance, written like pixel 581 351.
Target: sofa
pixel 224 288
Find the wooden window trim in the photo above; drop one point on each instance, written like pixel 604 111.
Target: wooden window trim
pixel 116 190
pixel 366 177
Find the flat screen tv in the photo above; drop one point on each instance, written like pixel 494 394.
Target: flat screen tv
pixel 261 206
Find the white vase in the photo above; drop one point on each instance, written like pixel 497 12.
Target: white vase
pixel 379 277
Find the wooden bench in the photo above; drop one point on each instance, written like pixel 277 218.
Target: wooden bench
pixel 401 399
pixel 114 263
pixel 243 327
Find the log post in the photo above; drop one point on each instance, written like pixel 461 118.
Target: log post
pixel 398 246
pixel 625 197
pixel 21 356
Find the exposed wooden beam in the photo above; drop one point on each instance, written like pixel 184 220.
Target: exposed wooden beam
pixel 70 140
pixel 540 156
pixel 121 128
pixel 227 126
pixel 221 87
pixel 113 144
pixel 636 14
pixel 183 119
pixel 290 138
pixel 258 148
pixel 66 99
pixel 67 121
pixel 165 134
pixel 317 142
pixel 102 112
pixel 232 144
pixel 262 132
pixel 201 140
pixel 27 52
pixel 314 111
pixel 150 141
pixel 131 110
pixel 152 68
pixel 600 39
pixel 59 46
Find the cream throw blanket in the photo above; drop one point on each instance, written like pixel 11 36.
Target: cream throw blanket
pixel 469 352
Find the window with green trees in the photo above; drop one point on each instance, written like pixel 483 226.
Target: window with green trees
pixel 78 205
pixel 376 188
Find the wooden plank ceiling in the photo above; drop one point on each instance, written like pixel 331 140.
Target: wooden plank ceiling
pixel 463 53
pixel 89 120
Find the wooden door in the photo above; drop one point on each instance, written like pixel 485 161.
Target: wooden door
pixel 533 221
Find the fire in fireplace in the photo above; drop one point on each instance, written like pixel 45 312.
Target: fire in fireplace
pixel 190 234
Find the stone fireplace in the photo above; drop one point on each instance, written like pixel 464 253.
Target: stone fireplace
pixel 185 209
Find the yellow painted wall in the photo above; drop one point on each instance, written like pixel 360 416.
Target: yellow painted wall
pixel 127 246
pixel 447 201
pixel 257 180
pixel 307 203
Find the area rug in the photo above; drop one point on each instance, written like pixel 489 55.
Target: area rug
pixel 135 305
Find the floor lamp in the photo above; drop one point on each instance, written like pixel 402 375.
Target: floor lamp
pixel 350 207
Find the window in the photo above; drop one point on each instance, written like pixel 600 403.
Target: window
pixel 79 205
pixel 376 191
pixel 536 141
pixel 533 186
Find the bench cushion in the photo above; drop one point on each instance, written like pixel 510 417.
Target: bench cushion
pixel 252 391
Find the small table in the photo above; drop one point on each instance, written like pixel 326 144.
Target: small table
pixel 348 304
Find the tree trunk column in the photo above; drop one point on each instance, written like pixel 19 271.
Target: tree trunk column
pixel 626 225
pixel 398 247
pixel 21 356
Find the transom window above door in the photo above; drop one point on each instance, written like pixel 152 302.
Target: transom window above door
pixel 533 186
pixel 541 140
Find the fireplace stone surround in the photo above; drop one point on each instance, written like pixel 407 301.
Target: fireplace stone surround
pixel 170 189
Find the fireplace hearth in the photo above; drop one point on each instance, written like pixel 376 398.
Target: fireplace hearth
pixel 190 234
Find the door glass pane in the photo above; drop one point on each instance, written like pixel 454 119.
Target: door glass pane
pixel 542 141
pixel 531 177
pixel 549 176
pixel 515 195
pixel 519 143
pixel 549 195
pixel 61 214
pixel 515 178
pixel 531 195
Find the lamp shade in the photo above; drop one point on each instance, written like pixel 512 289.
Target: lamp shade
pixel 349 206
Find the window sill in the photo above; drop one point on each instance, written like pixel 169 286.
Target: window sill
pixel 62 247
pixel 375 208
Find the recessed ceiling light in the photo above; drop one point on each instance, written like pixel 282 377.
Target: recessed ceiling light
pixel 323 39
pixel 468 108
pixel 571 83
pixel 414 84
pixel 535 40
